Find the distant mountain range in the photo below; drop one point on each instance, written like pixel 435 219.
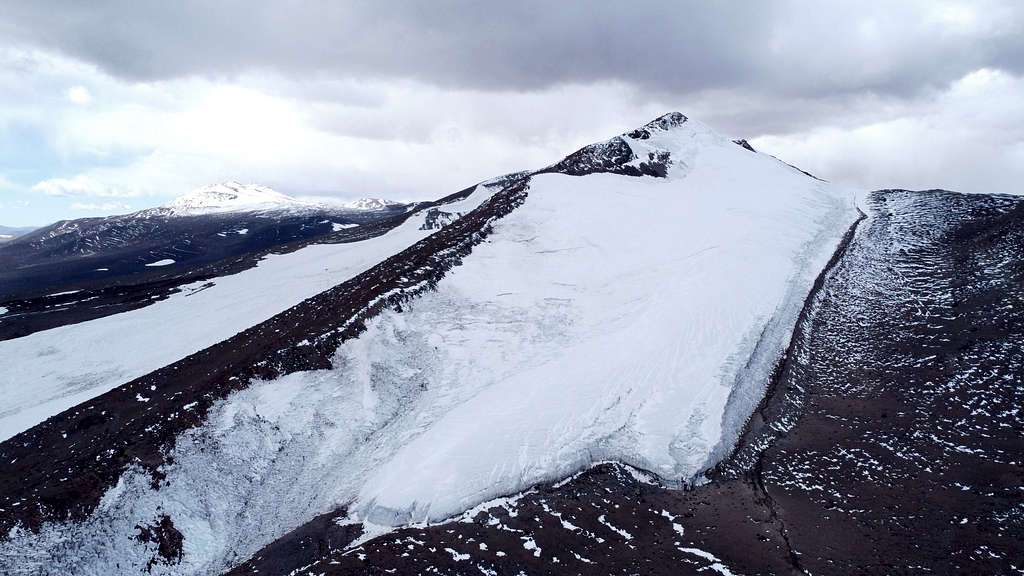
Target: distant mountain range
pixel 9 232
pixel 125 261
pixel 247 198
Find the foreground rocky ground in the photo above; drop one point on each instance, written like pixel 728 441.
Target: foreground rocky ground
pixel 891 440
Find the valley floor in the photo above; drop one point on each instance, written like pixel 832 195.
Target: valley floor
pixel 890 442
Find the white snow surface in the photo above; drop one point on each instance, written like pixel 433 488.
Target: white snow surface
pixel 71 364
pixel 164 262
pixel 608 318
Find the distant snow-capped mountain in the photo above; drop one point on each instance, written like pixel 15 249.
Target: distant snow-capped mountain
pixel 10 233
pixel 232 197
pixel 370 204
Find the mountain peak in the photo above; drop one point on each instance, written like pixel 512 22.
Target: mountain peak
pixel 369 204
pixel 231 197
pixel 650 150
pixel 663 123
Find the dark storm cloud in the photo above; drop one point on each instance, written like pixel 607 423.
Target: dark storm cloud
pixel 811 49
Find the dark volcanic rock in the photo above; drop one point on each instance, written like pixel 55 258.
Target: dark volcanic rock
pixel 165 537
pixel 306 545
pixel 665 122
pixel 744 144
pixel 891 440
pixel 612 157
pixel 437 219
pixel 610 520
pixel 615 156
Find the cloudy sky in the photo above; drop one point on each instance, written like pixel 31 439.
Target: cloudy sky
pixel 108 107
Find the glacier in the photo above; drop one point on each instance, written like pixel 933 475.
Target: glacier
pixel 610 317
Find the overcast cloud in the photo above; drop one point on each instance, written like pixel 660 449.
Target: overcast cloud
pixel 141 101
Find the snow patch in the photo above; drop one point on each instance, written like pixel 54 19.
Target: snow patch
pixel 716 564
pixel 164 262
pixel 613 528
pixel 456 556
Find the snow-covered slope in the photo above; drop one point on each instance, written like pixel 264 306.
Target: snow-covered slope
pixel 232 197
pixel 633 319
pixel 631 310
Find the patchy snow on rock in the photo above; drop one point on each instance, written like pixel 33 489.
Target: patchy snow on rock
pixel 70 364
pixel 164 262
